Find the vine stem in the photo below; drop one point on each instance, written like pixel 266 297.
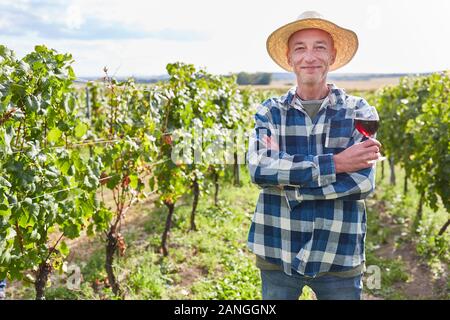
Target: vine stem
pixel 52 249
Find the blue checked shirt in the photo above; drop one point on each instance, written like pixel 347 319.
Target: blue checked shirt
pixel 308 218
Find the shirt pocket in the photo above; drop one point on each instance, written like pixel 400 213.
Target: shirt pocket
pixel 338 134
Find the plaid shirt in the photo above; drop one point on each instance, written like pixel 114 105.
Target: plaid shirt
pixel 308 218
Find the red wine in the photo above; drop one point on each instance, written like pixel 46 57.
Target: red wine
pixel 366 127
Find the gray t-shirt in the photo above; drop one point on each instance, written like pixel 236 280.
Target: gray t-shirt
pixel 311 106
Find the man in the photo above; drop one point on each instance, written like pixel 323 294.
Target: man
pixel 2 289
pixel 314 169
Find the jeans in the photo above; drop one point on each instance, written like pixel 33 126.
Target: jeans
pixel 2 289
pixel 276 285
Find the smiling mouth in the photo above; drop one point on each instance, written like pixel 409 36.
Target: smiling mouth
pixel 312 67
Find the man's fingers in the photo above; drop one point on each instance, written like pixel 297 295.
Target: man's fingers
pixel 363 151
pixel 374 149
pixel 374 156
pixel 370 157
pixel 368 164
pixel 270 143
pixel 371 142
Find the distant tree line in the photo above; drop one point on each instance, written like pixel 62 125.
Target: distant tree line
pixel 259 78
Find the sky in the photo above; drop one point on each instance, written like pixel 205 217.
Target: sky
pixel 138 38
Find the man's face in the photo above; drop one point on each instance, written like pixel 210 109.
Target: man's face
pixel 310 53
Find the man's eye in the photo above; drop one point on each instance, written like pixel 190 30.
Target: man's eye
pixel 320 48
pixel 299 48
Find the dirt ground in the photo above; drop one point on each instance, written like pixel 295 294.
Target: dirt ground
pixel 422 283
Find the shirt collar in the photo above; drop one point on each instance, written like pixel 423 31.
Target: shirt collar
pixel 335 97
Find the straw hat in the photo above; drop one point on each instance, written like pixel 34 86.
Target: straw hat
pixel 345 41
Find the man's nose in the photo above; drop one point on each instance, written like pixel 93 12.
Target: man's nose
pixel 309 56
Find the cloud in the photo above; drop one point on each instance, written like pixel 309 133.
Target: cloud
pixel 141 37
pixel 59 20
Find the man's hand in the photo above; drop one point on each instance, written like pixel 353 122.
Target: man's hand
pixel 354 158
pixel 358 156
pixel 271 143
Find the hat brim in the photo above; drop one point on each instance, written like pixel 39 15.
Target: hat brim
pixel 345 41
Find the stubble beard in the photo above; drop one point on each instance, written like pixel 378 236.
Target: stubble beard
pixel 310 80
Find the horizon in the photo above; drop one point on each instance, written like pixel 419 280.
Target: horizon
pixel 332 74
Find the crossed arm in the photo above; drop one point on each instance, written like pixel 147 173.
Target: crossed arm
pixel 320 177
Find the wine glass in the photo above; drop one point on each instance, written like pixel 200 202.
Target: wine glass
pixel 367 122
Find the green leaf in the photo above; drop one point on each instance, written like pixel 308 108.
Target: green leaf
pixel 113 182
pixel 81 129
pixel 4 210
pixel 72 230
pixel 28 201
pixel 54 135
pixel 63 126
pixel 64 249
pixel 35 235
pixel 4 182
pixel 23 220
pixel 134 180
pixel 34 210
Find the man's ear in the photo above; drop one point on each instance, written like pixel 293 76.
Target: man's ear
pixel 333 56
pixel 289 60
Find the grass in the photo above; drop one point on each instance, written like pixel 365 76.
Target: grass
pixel 391 214
pixel 402 208
pixel 214 262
